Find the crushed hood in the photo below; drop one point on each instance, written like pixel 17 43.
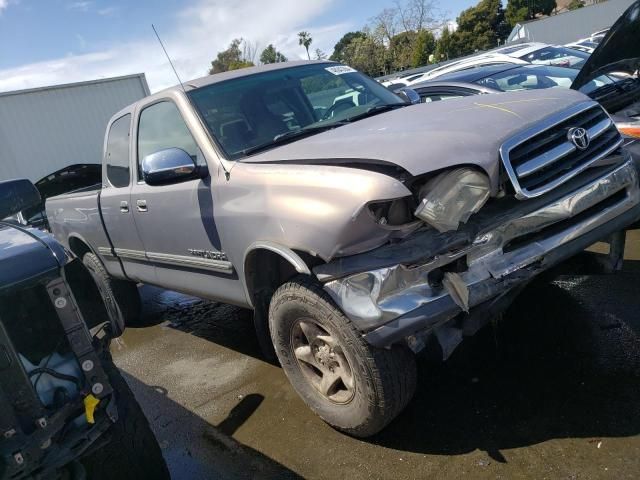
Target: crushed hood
pixel 619 51
pixel 23 255
pixel 430 136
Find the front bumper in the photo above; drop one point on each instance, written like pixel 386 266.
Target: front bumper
pixel 391 303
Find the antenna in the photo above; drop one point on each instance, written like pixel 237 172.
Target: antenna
pixel 168 57
pixel 227 173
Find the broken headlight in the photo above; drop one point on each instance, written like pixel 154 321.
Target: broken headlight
pixel 452 197
pixel 393 213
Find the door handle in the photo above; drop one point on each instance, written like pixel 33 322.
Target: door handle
pixel 124 207
pixel 141 205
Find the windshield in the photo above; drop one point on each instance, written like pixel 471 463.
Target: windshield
pixel 249 113
pixel 542 76
pixel 558 56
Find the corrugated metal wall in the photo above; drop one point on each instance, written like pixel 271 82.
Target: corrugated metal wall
pixel 46 129
pixel 570 26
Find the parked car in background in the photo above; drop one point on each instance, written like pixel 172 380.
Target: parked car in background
pixel 465 63
pixel 65 410
pixel 610 76
pixel 65 180
pixel 543 54
pixel 584 45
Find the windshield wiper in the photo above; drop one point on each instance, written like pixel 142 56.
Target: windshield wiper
pixel 293 135
pixel 376 110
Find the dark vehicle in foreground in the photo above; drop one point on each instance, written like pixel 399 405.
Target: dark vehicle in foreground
pixel 65 411
pixel 609 76
pixel 357 226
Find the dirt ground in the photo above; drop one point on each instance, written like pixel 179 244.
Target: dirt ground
pixel 553 392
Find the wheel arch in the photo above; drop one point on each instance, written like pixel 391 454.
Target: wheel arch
pixel 267 265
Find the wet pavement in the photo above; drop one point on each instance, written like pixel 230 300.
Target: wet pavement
pixel 553 391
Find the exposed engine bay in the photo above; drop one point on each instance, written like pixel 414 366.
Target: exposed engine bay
pixel 55 398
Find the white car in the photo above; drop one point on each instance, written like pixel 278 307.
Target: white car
pixel 463 64
pixel 543 54
pixel 584 45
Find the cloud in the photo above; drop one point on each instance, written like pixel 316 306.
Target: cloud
pixel 107 11
pixel 82 6
pixel 200 31
pixel 3 4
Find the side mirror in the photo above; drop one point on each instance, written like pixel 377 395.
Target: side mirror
pixel 16 195
pixel 409 95
pixel 171 165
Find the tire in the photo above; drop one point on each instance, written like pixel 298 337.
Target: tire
pixel 374 385
pixel 121 297
pixel 133 452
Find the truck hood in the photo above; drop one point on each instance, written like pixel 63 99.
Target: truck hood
pixel 24 255
pixel 618 52
pixel 430 136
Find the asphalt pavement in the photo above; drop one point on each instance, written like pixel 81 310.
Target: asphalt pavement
pixel 551 390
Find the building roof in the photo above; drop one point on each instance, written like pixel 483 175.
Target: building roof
pixel 140 76
pixel 570 26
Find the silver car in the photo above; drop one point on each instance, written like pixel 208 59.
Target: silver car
pixel 355 225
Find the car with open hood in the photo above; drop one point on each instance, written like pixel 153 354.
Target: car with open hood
pixel 355 225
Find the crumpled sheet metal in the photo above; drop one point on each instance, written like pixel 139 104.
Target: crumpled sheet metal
pixel 376 297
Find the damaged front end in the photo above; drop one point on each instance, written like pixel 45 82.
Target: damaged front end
pixel 450 281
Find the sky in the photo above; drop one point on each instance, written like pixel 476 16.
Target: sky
pixel 49 42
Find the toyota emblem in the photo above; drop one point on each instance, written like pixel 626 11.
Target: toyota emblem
pixel 579 137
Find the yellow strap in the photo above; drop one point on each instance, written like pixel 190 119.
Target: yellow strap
pixel 90 404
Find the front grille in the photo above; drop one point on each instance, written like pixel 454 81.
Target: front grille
pixel 544 157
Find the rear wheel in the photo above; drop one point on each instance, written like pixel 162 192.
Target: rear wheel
pixel 121 297
pixel 351 385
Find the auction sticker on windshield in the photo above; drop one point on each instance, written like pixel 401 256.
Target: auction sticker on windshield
pixel 340 69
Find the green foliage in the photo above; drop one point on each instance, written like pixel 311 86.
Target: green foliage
pixel 338 50
pixel 446 48
pixel 425 46
pixel 400 51
pixel 304 39
pixel 481 27
pixel 364 53
pixel 521 10
pixel 271 55
pixel 230 59
pixel 575 4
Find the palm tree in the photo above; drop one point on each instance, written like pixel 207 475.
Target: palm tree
pixel 304 39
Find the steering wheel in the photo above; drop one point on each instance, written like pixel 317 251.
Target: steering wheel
pixel 337 107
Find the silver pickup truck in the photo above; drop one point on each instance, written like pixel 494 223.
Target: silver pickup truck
pixel 355 225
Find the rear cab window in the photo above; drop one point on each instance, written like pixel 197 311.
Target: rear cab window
pixel 117 152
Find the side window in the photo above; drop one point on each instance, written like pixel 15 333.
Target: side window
pixel 117 154
pixel 161 126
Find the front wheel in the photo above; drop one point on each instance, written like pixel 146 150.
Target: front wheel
pixel 351 385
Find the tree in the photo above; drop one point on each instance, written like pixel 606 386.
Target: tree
pixel 575 4
pixel 445 47
pixel 320 55
pixel 338 50
pixel 425 46
pixel 401 50
pixel 304 39
pixel 233 58
pixel 364 53
pixel 271 55
pixel 480 27
pixel 521 10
